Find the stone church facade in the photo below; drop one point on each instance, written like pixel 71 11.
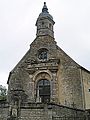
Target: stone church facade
pixel 47 84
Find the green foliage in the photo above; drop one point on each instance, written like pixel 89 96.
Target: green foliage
pixel 3 92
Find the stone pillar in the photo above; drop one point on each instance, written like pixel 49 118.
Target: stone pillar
pixel 54 88
pixel 50 113
pixel 31 92
pixel 47 112
pixel 51 87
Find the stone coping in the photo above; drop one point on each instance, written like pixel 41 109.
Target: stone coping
pixel 49 106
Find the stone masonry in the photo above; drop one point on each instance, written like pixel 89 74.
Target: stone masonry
pixel 47 84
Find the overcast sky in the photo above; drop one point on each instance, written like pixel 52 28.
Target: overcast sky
pixel 17 30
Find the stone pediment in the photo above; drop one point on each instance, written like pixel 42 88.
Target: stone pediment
pixel 51 64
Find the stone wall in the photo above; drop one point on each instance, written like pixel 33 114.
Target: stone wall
pixel 69 81
pixel 86 87
pixel 3 110
pixel 39 111
pixel 62 112
pixel 35 112
pixel 50 112
pixel 62 71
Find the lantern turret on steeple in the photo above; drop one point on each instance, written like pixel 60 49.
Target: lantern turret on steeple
pixel 45 23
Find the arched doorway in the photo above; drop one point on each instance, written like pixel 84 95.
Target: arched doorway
pixel 43 90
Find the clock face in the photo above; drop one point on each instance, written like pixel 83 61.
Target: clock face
pixel 42 55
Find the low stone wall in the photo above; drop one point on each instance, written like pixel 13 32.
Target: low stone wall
pixel 39 111
pixel 65 113
pixel 3 110
pixel 33 111
pixel 50 112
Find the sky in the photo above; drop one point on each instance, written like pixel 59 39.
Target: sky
pixel 17 30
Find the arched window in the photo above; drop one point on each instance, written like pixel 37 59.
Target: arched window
pixel 50 26
pixel 43 91
pixel 42 24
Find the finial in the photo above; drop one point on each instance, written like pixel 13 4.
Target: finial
pixel 45 9
pixel 44 3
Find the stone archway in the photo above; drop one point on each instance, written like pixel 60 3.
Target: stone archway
pixel 44 76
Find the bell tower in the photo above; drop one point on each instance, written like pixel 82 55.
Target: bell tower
pixel 45 23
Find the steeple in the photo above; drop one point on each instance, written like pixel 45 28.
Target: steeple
pixel 45 9
pixel 45 23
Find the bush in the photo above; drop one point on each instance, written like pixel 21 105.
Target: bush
pixel 3 92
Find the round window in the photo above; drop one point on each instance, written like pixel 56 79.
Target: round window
pixel 42 55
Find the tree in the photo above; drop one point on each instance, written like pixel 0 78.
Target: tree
pixel 3 92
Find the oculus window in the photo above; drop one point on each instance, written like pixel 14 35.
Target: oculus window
pixel 42 54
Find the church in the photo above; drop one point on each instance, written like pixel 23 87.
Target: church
pixel 47 84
